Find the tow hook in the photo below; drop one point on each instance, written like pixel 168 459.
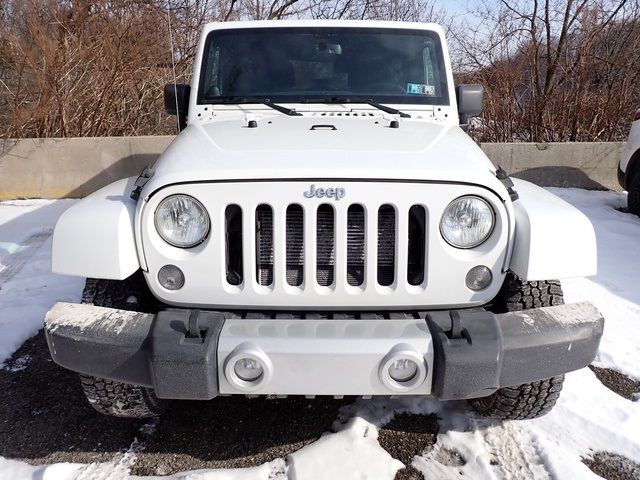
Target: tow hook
pixel 194 333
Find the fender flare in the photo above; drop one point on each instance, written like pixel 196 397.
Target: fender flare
pixel 553 239
pixel 95 237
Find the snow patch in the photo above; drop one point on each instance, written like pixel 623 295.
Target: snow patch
pixel 615 290
pixel 83 317
pixel 29 293
pixel 18 364
pixel 11 248
pixel 275 470
pixel 354 453
pixel 575 313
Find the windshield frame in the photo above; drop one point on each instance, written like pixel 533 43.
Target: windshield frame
pixel 315 98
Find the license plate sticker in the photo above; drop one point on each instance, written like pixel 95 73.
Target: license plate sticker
pixel 421 89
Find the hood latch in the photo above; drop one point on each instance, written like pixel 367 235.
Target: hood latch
pixel 503 176
pixel 141 181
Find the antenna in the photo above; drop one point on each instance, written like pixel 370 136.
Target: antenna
pixel 173 66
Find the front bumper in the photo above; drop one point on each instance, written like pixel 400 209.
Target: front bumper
pixel 189 354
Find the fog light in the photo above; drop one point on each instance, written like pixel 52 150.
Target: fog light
pixel 478 278
pixel 403 370
pixel 248 369
pixel 171 277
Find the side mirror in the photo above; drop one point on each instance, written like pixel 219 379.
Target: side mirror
pixel 469 102
pixel 176 101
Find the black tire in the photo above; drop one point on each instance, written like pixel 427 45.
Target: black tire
pixel 130 294
pixel 119 399
pixel 530 400
pixel 521 402
pixel 516 295
pixel 633 195
pixel 110 397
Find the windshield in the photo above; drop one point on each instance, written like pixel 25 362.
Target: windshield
pixel 322 64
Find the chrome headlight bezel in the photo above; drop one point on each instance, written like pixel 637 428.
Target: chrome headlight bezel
pixel 480 240
pixel 198 206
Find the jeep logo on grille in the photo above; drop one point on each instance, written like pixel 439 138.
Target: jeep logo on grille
pixel 336 193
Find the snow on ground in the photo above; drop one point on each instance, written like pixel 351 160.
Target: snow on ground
pixel 27 286
pixel 587 418
pixel 615 290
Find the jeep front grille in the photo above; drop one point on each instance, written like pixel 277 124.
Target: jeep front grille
pixel 353 234
pixel 272 247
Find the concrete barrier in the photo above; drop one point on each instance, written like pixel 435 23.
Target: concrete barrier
pixel 590 165
pixel 75 167
pixel 72 167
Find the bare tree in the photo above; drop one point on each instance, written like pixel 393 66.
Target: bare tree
pixel 81 68
pixel 97 67
pixel 554 70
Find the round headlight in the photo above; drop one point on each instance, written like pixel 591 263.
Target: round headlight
pixel 182 221
pixel 467 222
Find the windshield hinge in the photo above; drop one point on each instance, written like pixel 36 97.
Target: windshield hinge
pixel 503 176
pixel 141 181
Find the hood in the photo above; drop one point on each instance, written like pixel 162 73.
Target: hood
pixel 359 146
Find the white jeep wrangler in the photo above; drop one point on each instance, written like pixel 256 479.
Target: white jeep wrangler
pixel 323 226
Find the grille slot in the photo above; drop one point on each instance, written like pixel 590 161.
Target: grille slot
pixel 417 245
pixel 295 245
pixel 326 245
pixel 386 244
pixel 264 245
pixel 233 247
pixel 355 245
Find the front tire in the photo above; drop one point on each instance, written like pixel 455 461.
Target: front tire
pixel 633 195
pixel 129 294
pixel 119 399
pixel 516 295
pixel 110 397
pixel 529 400
pixel 522 402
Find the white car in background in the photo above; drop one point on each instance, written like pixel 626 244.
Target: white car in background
pixel 628 168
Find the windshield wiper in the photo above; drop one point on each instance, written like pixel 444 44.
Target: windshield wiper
pixel 368 101
pixel 264 101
